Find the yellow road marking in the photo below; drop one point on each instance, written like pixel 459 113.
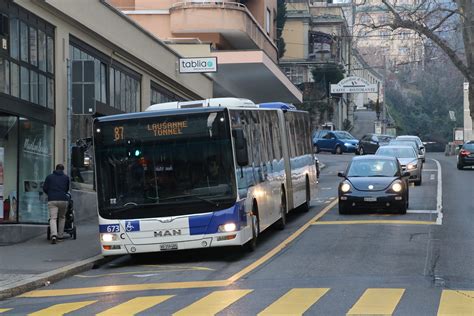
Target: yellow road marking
pixel 127 288
pixel 381 221
pixel 377 302
pixel 61 309
pixel 184 285
pixel 456 303
pixel 282 245
pixel 213 303
pixel 135 306
pixel 294 302
pixel 139 272
pixel 3 310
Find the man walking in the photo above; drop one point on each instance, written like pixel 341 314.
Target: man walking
pixel 56 186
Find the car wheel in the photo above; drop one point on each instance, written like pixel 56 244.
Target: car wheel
pixel 281 223
pixel 338 150
pixel 361 151
pixel 251 245
pixel 343 210
pixel 403 209
pixel 316 149
pixel 460 167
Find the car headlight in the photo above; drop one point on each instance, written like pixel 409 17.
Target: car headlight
pixel 396 187
pixel 345 187
pixel 229 227
pixel 411 166
pixel 348 144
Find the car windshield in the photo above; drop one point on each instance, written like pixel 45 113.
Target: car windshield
pixel 344 135
pixel 373 168
pixel 396 152
pixel 385 139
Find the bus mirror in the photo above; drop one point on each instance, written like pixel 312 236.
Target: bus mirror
pixel 241 152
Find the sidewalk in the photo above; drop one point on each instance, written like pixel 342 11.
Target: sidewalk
pixel 36 262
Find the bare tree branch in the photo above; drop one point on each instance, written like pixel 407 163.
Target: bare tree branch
pixel 442 21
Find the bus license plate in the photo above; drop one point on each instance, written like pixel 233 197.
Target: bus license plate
pixel 370 199
pixel 165 247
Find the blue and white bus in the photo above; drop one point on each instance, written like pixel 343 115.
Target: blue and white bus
pixel 200 174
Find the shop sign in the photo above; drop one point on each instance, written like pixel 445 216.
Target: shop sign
pixel 353 85
pixel 198 65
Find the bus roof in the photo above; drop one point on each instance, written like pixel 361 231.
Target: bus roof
pixel 277 105
pixel 214 102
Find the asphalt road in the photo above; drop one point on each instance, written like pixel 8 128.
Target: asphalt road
pixel 323 263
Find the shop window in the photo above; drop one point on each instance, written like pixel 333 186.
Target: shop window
pixel 24 42
pixel 36 162
pixel 8 168
pixel 33 46
pixel 125 90
pixel 50 95
pixel 25 83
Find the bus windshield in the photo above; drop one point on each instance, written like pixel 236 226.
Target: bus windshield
pixel 153 162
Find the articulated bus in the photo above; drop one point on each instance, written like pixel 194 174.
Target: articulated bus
pixel 199 174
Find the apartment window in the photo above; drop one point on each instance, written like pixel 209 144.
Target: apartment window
pixel 159 94
pixel 23 41
pixel 4 76
pixel 14 38
pixel 403 50
pixel 25 83
pixel 41 50
pixel 125 89
pixel 96 77
pixel 384 34
pixel 33 46
pixel 268 20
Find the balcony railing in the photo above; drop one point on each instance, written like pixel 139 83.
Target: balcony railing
pixel 250 26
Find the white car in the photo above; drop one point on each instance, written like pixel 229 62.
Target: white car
pixel 408 159
pixel 421 146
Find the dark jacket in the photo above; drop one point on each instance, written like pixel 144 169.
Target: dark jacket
pixel 56 186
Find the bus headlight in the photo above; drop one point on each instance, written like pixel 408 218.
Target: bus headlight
pixel 229 227
pixel 108 237
pixel 396 187
pixel 345 187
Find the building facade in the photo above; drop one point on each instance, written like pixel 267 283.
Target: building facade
pixel 241 34
pixel 387 49
pixel 317 39
pixel 62 63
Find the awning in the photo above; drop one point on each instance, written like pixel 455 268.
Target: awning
pixel 252 75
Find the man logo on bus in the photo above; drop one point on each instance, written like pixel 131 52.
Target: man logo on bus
pixel 168 233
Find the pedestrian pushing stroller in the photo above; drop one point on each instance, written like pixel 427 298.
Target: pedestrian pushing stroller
pixel 69 225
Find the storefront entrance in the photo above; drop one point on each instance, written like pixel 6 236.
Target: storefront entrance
pixel 26 158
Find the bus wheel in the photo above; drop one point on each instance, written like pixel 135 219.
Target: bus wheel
pixel 251 245
pixel 308 197
pixel 281 223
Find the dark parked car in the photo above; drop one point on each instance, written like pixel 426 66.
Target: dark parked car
pixel 336 142
pixel 373 182
pixel 466 155
pixel 369 143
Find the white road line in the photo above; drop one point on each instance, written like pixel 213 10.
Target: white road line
pixel 422 211
pixel 432 176
pixel 439 202
pixel 429 170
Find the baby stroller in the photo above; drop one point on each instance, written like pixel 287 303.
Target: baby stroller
pixel 69 226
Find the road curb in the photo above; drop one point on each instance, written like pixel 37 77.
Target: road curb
pixel 46 278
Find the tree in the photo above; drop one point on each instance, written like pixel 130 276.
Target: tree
pixel 431 19
pixel 280 24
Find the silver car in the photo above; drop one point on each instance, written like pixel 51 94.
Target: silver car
pixel 408 158
pixel 419 143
